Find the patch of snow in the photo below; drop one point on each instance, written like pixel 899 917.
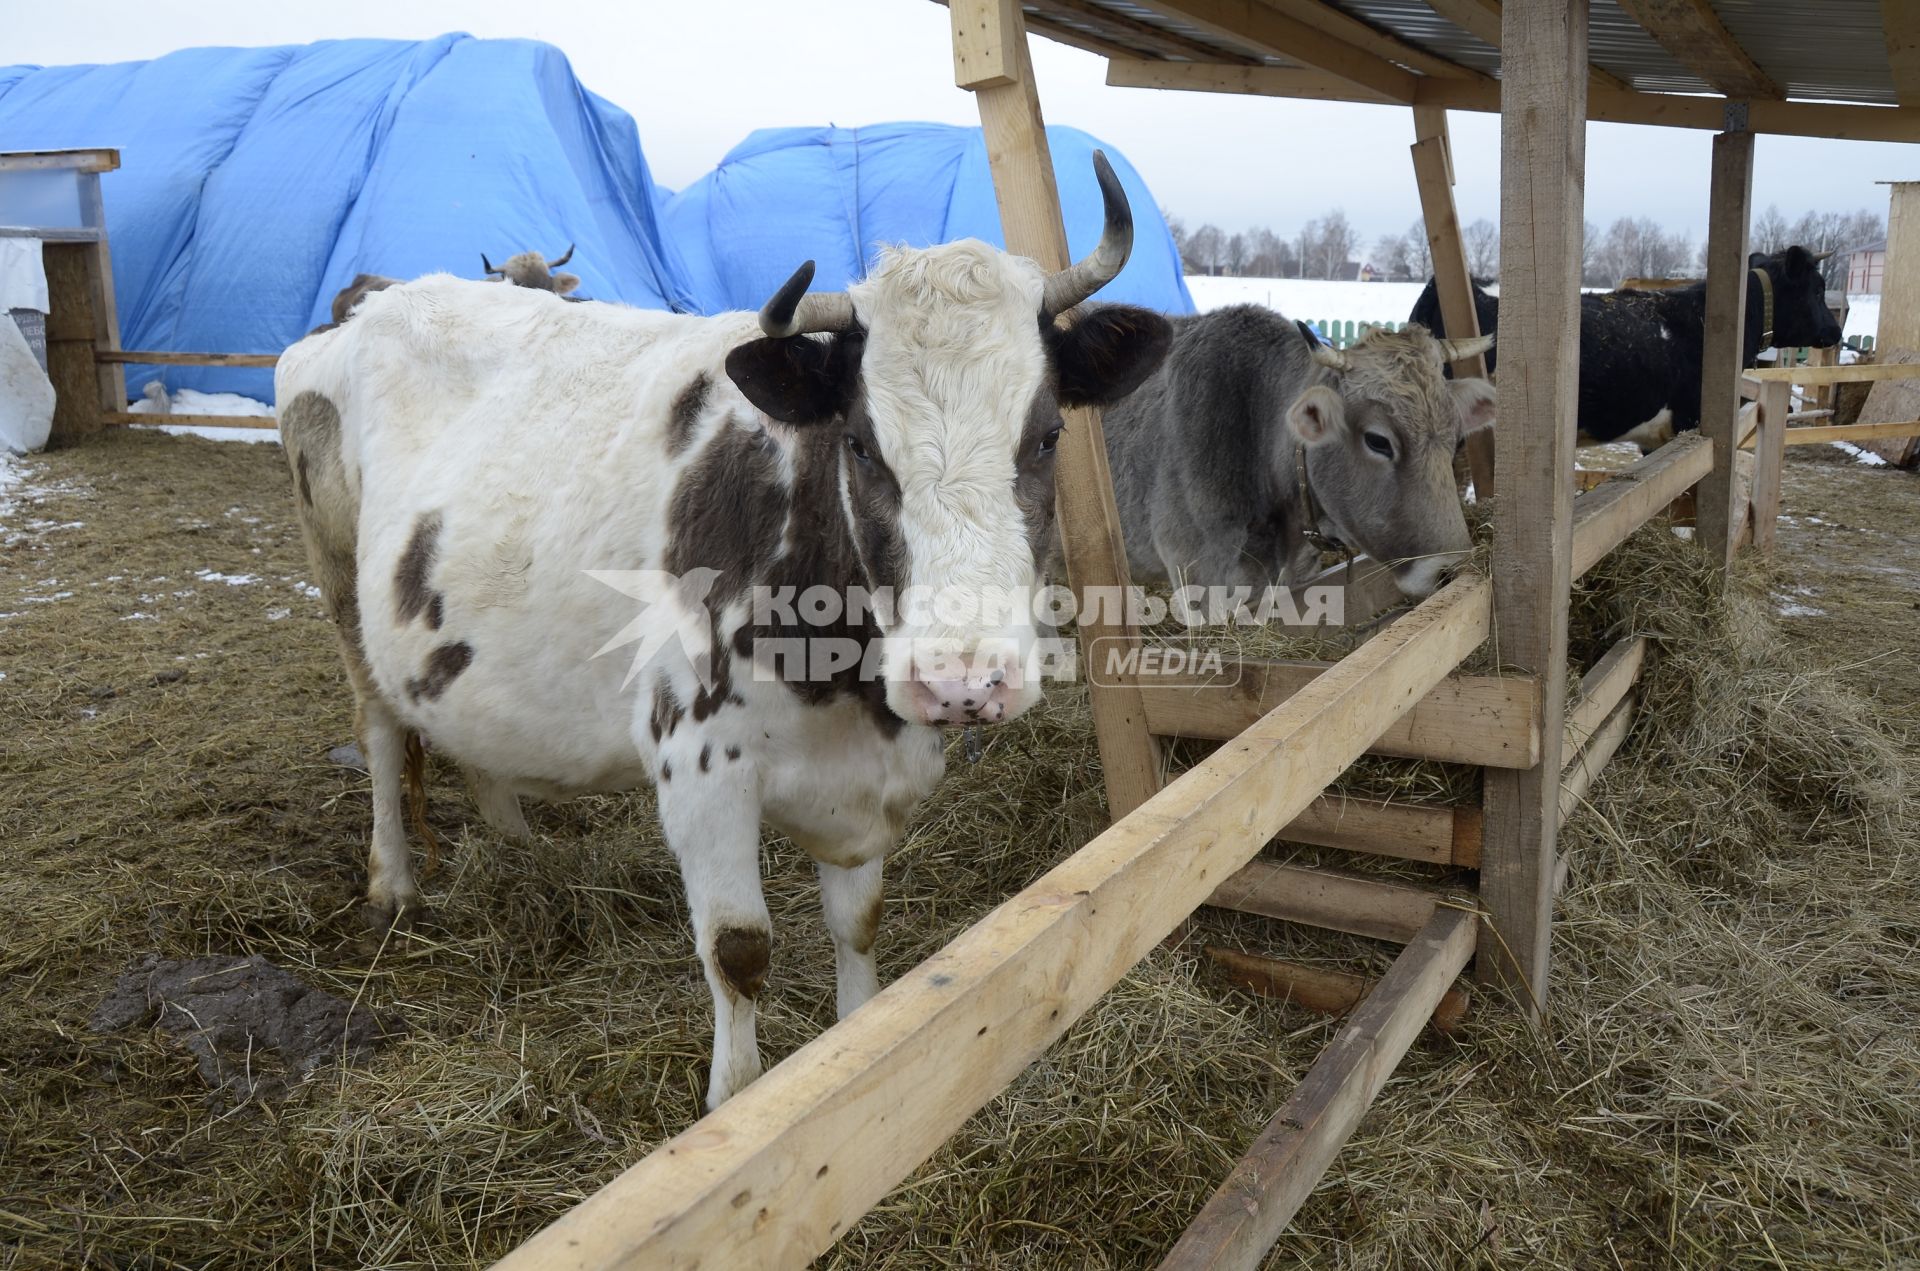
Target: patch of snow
pixel 308 590
pixel 274 615
pixel 135 617
pixel 231 580
pixel 1792 610
pixel 43 600
pixel 1860 456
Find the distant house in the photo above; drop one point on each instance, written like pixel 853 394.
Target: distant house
pixel 1348 271
pixel 1369 274
pixel 1866 265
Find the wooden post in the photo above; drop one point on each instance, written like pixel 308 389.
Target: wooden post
pixel 1023 183
pixel 1770 452
pixel 1543 175
pixel 1433 172
pixel 1729 212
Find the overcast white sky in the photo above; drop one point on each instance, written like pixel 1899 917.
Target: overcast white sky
pixel 699 75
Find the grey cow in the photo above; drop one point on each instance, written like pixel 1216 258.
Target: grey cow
pixel 1249 429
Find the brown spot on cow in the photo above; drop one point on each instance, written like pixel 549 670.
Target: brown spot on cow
pixel 743 955
pixel 436 611
pixel 667 711
pixel 728 512
pixel 867 929
pixel 306 485
pixel 444 666
pixel 685 415
pixel 411 594
pixel 706 757
pixel 733 752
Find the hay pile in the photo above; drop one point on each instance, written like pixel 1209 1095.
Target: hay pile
pixel 1730 1072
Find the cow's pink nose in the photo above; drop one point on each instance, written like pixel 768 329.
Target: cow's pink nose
pixel 976 696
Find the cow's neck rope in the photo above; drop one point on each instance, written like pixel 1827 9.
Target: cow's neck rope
pixel 1766 307
pixel 1310 507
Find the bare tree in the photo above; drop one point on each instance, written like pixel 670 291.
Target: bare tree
pixel 1177 228
pixel 1769 231
pixel 1590 275
pixel 1268 255
pixel 1236 254
pixel 1419 251
pixel 1390 256
pixel 1338 242
pixel 1482 241
pixel 1206 246
pixel 1309 249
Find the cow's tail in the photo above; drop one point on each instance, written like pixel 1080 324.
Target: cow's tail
pixel 416 778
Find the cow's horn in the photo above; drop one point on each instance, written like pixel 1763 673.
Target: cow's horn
pixel 487 264
pixel 1084 277
pixel 794 312
pixel 1460 350
pixel 1331 358
pixel 555 264
pixel 1825 254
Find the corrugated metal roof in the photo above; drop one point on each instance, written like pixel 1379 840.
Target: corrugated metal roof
pixel 1831 51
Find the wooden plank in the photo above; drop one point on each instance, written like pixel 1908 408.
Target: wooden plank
pixel 110 381
pixel 1141 35
pixel 985 47
pixel 122 417
pixel 148 357
pixel 1266 1189
pixel 1255 25
pixel 1476 719
pixel 85 160
pixel 1433 175
pixel 776 1175
pixel 1481 19
pixel 1592 760
pixel 1602 687
pixel 1826 434
pixel 1890 401
pixel 1776 400
pixel 1061 33
pixel 1730 211
pixel 1542 178
pixel 1854 373
pixel 52 234
pixel 1699 41
pixel 1331 899
pixel 1318 988
pixel 1901 24
pixel 1257 81
pixel 1605 516
pixel 1090 531
pixel 1434 833
pixel 1328 20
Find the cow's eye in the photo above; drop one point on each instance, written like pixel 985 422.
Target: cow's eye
pixel 1051 440
pixel 859 449
pixel 1380 444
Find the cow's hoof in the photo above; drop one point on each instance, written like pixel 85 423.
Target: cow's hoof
pixel 382 917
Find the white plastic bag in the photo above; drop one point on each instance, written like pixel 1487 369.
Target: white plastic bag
pixel 26 394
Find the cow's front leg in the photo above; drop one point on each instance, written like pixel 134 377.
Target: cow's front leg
pixel 850 899
pixel 711 819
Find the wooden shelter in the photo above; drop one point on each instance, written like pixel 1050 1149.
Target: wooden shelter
pixel 778 1173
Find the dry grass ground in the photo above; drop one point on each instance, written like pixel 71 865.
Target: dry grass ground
pixel 1730 1074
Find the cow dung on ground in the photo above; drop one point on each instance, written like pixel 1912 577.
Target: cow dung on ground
pixel 1725 1076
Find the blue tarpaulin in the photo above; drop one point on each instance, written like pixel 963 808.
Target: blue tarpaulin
pixel 255 183
pixel 835 195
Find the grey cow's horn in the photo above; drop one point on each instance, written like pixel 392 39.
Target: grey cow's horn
pixel 567 256
pixel 794 312
pixel 1823 255
pixel 487 264
pixel 1457 350
pixel 1331 358
pixel 1084 277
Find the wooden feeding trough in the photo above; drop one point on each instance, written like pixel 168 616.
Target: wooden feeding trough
pixel 777 1174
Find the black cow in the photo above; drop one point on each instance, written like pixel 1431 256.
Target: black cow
pixel 1641 351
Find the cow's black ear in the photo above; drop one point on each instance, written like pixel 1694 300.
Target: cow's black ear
pixel 1107 354
pixel 1755 260
pixel 797 380
pixel 1798 259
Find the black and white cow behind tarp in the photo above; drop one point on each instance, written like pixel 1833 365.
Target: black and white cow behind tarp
pixel 1641 352
pixel 497 488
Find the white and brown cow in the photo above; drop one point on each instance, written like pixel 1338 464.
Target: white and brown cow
pixel 469 458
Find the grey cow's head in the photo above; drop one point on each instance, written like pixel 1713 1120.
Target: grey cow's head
pixel 1377 434
pixel 532 270
pixel 1800 313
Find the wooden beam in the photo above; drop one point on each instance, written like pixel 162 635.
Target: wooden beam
pixel 203 421
pixel 1433 175
pixel 1256 81
pixel 1331 899
pixel 1266 1189
pixel 1853 373
pixel 1330 21
pixel 1481 19
pixel 1699 41
pixel 1826 434
pixel 1827 120
pixel 1542 179
pixel 1060 33
pixel 1587 766
pixel 1605 516
pixel 1142 35
pixel 1901 23
pixel 1023 184
pixel 1476 719
pixel 1255 25
pixel 1602 687
pixel 140 357
pixel 1430 832
pixel 1730 212
pixel 986 48
pixel 94 160
pixel 776 1175
pixel 1776 401
pixel 1318 988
